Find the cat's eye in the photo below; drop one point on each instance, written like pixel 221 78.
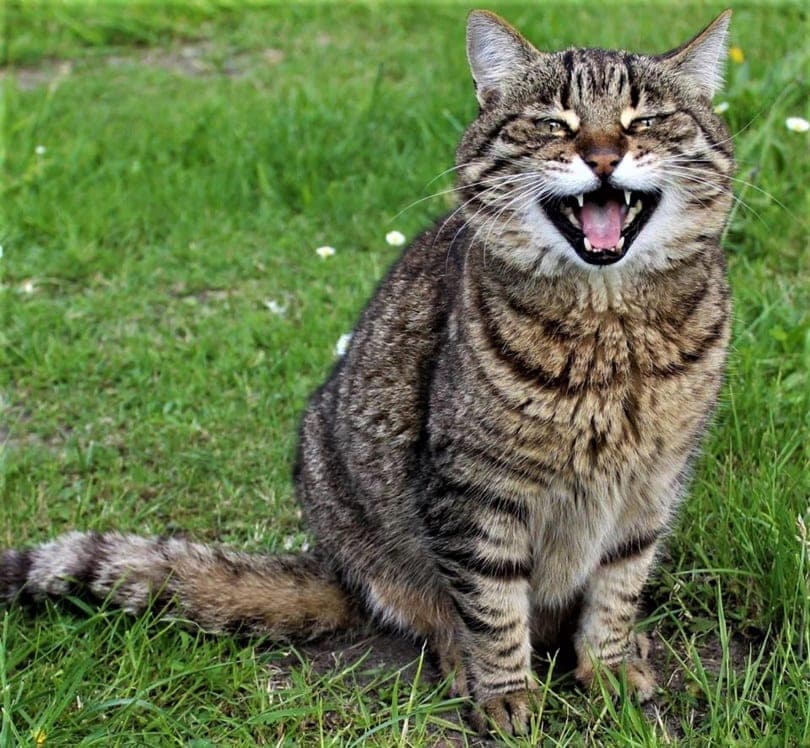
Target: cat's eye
pixel 641 123
pixel 554 127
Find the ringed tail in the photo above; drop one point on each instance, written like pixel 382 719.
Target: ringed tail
pixel 223 591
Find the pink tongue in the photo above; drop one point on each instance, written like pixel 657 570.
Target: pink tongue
pixel 602 224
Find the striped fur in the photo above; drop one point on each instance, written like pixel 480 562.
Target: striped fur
pixel 503 446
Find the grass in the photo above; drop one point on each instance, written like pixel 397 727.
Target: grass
pixel 195 155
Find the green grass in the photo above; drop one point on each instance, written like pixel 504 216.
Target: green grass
pixel 146 385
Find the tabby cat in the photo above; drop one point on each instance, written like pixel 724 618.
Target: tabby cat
pixel 510 432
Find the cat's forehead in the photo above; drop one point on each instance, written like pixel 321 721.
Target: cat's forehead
pixel 596 82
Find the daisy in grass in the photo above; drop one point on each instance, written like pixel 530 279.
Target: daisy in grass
pixel 275 308
pixel 324 252
pixel 395 238
pixel 797 124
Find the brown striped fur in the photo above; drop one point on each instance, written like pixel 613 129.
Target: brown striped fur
pixel 499 452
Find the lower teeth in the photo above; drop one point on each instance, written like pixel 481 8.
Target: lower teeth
pixel 589 246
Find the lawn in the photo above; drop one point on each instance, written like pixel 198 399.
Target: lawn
pixel 168 172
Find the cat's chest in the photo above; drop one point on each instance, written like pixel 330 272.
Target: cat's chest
pixel 597 405
pixel 570 528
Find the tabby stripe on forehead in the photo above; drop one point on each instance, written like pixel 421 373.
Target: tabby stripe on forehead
pixel 568 64
pixel 635 94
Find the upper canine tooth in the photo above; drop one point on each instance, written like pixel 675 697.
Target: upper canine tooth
pixel 627 194
pixel 580 199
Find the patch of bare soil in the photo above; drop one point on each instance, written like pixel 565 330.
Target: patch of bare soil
pixel 190 60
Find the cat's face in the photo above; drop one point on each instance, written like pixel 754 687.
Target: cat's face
pixel 594 159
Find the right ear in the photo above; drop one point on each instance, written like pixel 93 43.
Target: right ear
pixel 498 55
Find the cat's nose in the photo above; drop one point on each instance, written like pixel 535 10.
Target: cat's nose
pixel 602 161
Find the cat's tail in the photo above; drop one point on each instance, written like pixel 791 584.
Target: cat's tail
pixel 223 591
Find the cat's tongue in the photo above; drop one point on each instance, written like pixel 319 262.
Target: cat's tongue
pixel 602 224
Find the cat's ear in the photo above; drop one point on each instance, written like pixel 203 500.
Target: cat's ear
pixel 702 59
pixel 498 55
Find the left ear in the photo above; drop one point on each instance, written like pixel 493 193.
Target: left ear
pixel 702 58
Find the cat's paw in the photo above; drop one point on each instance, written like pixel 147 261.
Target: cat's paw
pixel 507 712
pixel 635 668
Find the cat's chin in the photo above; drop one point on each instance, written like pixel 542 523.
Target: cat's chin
pixel 627 210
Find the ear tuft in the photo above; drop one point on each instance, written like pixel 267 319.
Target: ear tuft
pixel 498 55
pixel 702 59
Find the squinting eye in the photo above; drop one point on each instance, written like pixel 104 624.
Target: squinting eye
pixel 552 127
pixel 642 123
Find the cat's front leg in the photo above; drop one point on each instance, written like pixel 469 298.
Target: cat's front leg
pixel 605 636
pixel 484 556
pixel 494 638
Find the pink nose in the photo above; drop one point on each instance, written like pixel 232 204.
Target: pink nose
pixel 602 160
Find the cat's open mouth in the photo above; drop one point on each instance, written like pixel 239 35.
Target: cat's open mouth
pixel 602 224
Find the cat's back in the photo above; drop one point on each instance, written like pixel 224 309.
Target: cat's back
pixel 363 431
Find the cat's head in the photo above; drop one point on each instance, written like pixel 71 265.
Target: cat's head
pixel 594 159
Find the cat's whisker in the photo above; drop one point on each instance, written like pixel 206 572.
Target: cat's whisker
pixel 686 170
pixel 477 195
pixel 736 199
pixel 498 179
pixel 690 177
pixel 529 194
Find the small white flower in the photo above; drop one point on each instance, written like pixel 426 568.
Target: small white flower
pixel 1 251
pixel 395 238
pixel 797 124
pixel 28 286
pixel 40 150
pixel 721 107
pixel 342 344
pixel 324 252
pixel 275 308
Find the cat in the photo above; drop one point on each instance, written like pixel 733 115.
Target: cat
pixel 505 442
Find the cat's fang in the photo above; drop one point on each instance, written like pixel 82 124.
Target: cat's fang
pixel 588 246
pixel 571 216
pixel 580 199
pixel 619 244
pixel 627 196
pixel 632 213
